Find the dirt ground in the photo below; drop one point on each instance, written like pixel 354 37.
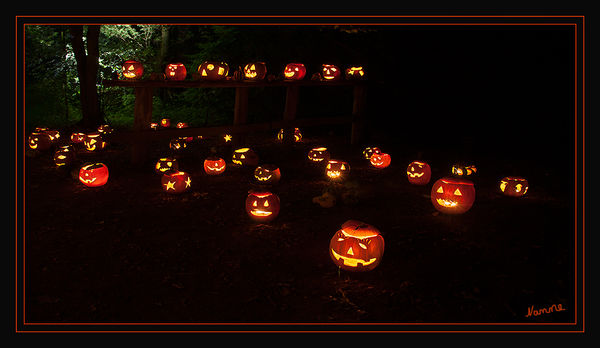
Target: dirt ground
pixel 127 252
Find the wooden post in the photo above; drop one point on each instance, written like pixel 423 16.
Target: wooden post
pixel 240 113
pixel 358 114
pixel 142 116
pixel 289 113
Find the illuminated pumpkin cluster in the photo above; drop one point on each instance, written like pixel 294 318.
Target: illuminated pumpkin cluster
pixel 453 195
pixel 356 247
pixel 94 174
pixel 262 206
pixel 418 173
pixel 514 186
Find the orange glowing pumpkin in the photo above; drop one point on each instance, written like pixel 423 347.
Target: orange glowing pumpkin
pixel 453 195
pixel 357 247
pixel 262 206
pixel 132 70
pixel 94 174
pixel 418 173
pixel 514 186
pixel 214 166
pixel 176 182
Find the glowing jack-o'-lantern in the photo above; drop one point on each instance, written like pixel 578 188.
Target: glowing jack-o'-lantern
pixel 94 142
pixel 77 138
pixel 93 175
pixel 294 71
pixel 514 186
pixel 178 144
pixel 64 155
pixel 165 122
pixel 318 155
pixel 166 164
pixel 355 73
pixel 154 125
pixel 213 71
pixel 380 160
pixel 181 125
pixel 267 174
pixel 175 72
pixel 105 129
pixel 357 247
pixel 39 141
pixel 453 195
pixel 255 71
pixel 459 170
pixel 369 151
pixel 337 170
pixel 297 135
pixel 418 173
pixel 245 157
pixel 176 182
pixel 132 70
pixel 214 166
pixel 330 72
pixel 262 206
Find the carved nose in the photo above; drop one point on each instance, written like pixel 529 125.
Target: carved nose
pixel 350 252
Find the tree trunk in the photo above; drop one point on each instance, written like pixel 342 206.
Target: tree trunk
pixel 87 70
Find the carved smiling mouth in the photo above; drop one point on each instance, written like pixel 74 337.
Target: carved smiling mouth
pixel 87 181
pixel 289 73
pixel 238 162
pixel 349 261
pixel 334 174
pixel 215 169
pixel 265 179
pixel 415 175
pixel 446 202
pixel 258 212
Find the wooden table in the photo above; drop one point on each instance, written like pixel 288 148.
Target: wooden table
pixel 144 90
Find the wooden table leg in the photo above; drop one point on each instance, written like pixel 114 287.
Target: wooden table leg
pixel 289 112
pixel 142 116
pixel 240 114
pixel 358 114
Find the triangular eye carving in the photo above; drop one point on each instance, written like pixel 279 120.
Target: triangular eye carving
pixel 440 190
pixel 457 193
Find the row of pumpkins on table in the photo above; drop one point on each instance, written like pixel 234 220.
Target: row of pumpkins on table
pixel 356 246
pixel 254 71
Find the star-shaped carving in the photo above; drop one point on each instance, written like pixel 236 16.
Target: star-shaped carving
pixel 227 137
pixel 170 185
pixel 188 182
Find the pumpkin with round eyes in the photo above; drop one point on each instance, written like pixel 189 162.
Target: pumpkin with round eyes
pixel 514 186
pixel 39 141
pixel 267 174
pixel 355 73
pixel 176 182
pixel 166 164
pixel 294 71
pixel 453 195
pixel 369 151
pixel 77 138
pixel 262 206
pixel 357 246
pixel 337 170
pixel 297 135
pixel 418 173
pixel 64 156
pixel 94 142
pixel 175 72
pixel 132 70
pixel 318 155
pixel 94 174
pixel 213 71
pixel 380 160
pixel 255 71
pixel 165 123
pixel 460 170
pixel 244 157
pixel 330 72
pixel 214 166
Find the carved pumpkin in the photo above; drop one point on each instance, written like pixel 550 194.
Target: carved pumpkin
pixel 166 164
pixel 262 206
pixel 294 71
pixel 105 129
pixel 453 195
pixel 330 72
pixel 93 175
pixel 380 160
pixel 255 71
pixel 175 72
pixel 214 166
pixel 267 174
pixel 132 70
pixel 297 135
pixel 181 125
pixel 176 182
pixel 94 142
pixel 165 122
pixel 356 247
pixel 355 73
pixel 369 151
pixel 178 144
pixel 514 186
pixel 460 170
pixel 244 157
pixel 154 125
pixel 418 173
pixel 337 170
pixel 64 155
pixel 39 141
pixel 213 71
pixel 77 138
pixel 318 155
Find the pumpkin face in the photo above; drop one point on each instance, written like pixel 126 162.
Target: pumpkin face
pixel 132 70
pixel 166 164
pixel 77 138
pixel 175 72
pixel 267 174
pixel 356 247
pixel 105 129
pixel 330 72
pixel 380 160
pixel 39 141
pixel 178 144
pixel 244 157
pixel 459 170
pixel 255 71
pixel 214 165
pixel 93 175
pixel 318 155
pixel 176 182
pixel 54 135
pixel 418 173
pixel 453 195
pixel 64 156
pixel 165 122
pixel 94 142
pixel 213 71
pixel 514 186
pixel 262 206
pixel 294 71
pixel 337 170
pixel 181 125
pixel 355 73
pixel 154 125
pixel 369 151
pixel 297 135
